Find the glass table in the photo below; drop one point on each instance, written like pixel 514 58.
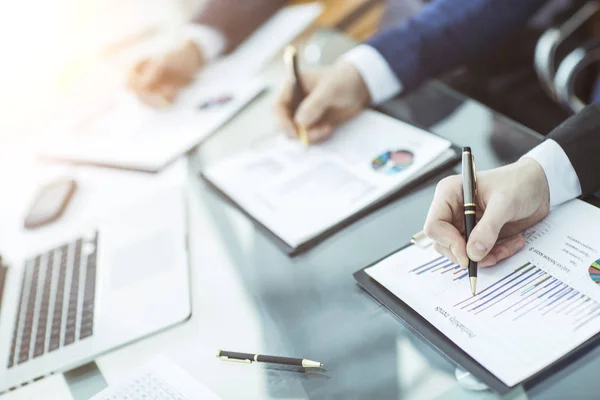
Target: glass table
pixel 249 296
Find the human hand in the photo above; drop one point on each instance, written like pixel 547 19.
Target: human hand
pixel 510 199
pixel 157 81
pixel 335 94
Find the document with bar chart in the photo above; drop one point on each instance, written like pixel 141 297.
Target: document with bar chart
pixel 530 310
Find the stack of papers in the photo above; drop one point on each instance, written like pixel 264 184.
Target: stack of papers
pixel 531 309
pixel 298 193
pixel 121 132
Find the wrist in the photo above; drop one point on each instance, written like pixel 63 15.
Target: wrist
pixel 359 86
pixel 536 177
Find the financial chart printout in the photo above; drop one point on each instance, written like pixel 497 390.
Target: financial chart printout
pixel 530 310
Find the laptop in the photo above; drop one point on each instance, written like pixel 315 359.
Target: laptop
pixel 121 280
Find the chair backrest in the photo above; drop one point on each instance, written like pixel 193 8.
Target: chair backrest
pixel 545 57
pixel 569 70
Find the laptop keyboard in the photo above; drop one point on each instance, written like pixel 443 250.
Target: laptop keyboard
pixel 56 306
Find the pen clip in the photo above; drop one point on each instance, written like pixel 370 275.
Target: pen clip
pixel 474 176
pixel 289 58
pixel 225 358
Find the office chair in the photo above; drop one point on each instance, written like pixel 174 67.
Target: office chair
pixel 571 69
pixel 547 54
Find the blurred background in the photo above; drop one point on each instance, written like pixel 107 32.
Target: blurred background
pixel 56 51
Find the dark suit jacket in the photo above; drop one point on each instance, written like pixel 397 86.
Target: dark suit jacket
pixel 579 136
pixel 237 19
pixel 446 34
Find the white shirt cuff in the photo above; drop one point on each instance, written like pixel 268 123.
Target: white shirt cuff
pixel 210 41
pixel 562 178
pixel 375 71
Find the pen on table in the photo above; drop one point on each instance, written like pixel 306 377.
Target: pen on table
pixel 290 57
pixel 248 358
pixel 469 182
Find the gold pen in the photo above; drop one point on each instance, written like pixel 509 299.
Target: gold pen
pixel 290 57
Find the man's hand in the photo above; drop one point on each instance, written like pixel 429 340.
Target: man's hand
pixel 158 81
pixel 510 199
pixel 335 94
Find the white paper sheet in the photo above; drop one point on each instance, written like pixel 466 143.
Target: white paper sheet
pixel 530 310
pixel 161 378
pixel 128 134
pixel 298 193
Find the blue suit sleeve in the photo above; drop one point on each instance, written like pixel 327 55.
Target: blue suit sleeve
pixel 448 33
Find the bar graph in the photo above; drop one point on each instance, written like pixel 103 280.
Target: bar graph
pixel 527 292
pixel 441 266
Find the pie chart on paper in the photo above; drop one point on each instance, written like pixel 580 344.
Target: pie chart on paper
pixel 594 272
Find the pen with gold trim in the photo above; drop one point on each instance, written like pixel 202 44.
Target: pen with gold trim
pixel 248 358
pixel 469 182
pixel 290 56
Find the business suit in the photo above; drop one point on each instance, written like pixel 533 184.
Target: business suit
pixel 493 39
pixel 447 34
pixel 579 137
pixel 236 19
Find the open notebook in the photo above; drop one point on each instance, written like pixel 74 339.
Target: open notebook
pixel 122 132
pixel 533 313
pixel 302 195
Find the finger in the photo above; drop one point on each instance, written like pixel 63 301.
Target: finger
pixel 168 91
pixel 502 251
pixel 314 106
pixel 320 132
pixel 439 225
pixel 133 79
pixel 153 100
pixel 485 234
pixel 283 111
pixel 153 75
pixel 445 252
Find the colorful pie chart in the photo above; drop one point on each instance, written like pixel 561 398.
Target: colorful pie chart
pixel 393 161
pixel 594 272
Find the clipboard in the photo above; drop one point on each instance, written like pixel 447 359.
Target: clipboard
pixel 446 347
pixel 310 244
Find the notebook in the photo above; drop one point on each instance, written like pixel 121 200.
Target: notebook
pixel 533 312
pixel 302 195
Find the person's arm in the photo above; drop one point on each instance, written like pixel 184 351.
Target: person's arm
pixel 236 19
pixel 570 156
pixel 444 35
pixel 219 27
pixel 514 197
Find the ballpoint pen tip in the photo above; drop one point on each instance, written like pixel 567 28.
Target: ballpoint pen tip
pixel 473 285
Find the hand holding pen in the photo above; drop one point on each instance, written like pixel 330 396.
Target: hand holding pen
pixel 332 95
pixel 509 200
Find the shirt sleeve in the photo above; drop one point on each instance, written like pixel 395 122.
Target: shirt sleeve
pixel 562 179
pixel 210 41
pixel 375 71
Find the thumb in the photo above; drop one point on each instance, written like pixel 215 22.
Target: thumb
pixel 486 232
pixel 154 74
pixel 312 109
